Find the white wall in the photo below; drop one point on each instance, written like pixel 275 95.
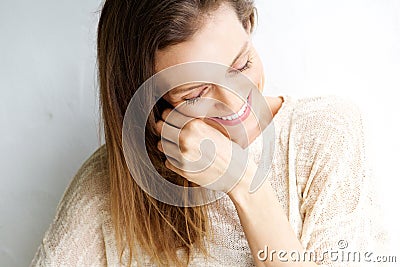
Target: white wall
pixel 48 93
pixel 349 48
pixel 48 121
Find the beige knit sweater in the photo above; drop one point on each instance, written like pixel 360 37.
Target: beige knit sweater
pixel 319 172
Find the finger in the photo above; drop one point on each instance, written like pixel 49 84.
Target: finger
pixel 158 127
pixel 174 166
pixel 159 146
pixel 168 132
pixel 175 118
pixel 169 149
pixel 165 113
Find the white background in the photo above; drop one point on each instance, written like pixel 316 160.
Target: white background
pixel 49 109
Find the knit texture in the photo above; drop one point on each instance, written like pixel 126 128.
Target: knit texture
pixel 319 172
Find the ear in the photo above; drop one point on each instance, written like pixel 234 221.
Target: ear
pixel 248 27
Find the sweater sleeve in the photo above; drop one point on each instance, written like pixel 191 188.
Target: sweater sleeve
pixel 75 237
pixel 338 205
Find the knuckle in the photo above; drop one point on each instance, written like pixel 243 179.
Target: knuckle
pixel 184 142
pixel 188 136
pixel 194 125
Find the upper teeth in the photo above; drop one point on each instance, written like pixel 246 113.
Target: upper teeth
pixel 236 115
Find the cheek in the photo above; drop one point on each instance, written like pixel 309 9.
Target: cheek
pixel 199 109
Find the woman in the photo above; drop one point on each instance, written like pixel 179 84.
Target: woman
pixel 317 189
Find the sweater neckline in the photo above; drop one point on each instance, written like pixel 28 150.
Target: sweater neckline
pixel 286 101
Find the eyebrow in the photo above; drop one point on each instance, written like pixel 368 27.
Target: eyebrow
pixel 241 52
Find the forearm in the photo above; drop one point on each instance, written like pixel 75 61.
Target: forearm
pixel 264 223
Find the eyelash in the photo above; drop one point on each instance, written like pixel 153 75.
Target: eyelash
pixel 246 66
pixel 193 100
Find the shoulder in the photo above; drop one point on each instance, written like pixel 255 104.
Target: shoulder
pixel 91 180
pixel 319 108
pixel 327 117
pixel 90 186
pixel 326 138
pixel 75 235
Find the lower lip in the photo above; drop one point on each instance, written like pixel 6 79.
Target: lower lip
pixel 238 120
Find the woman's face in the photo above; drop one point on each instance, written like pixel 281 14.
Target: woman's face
pixel 223 40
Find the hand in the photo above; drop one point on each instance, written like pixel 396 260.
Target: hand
pixel 181 139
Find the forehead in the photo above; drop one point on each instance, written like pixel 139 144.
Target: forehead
pixel 219 40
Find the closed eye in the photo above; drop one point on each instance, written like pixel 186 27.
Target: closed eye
pixel 246 66
pixel 193 100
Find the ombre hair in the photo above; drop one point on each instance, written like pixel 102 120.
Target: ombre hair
pixel 129 34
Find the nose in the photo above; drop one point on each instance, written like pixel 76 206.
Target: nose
pixel 228 102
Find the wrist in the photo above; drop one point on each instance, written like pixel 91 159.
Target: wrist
pixel 241 195
pixel 243 186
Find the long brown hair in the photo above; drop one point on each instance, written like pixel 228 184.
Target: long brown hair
pixel 129 34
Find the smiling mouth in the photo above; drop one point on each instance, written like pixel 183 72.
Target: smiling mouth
pixel 238 117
